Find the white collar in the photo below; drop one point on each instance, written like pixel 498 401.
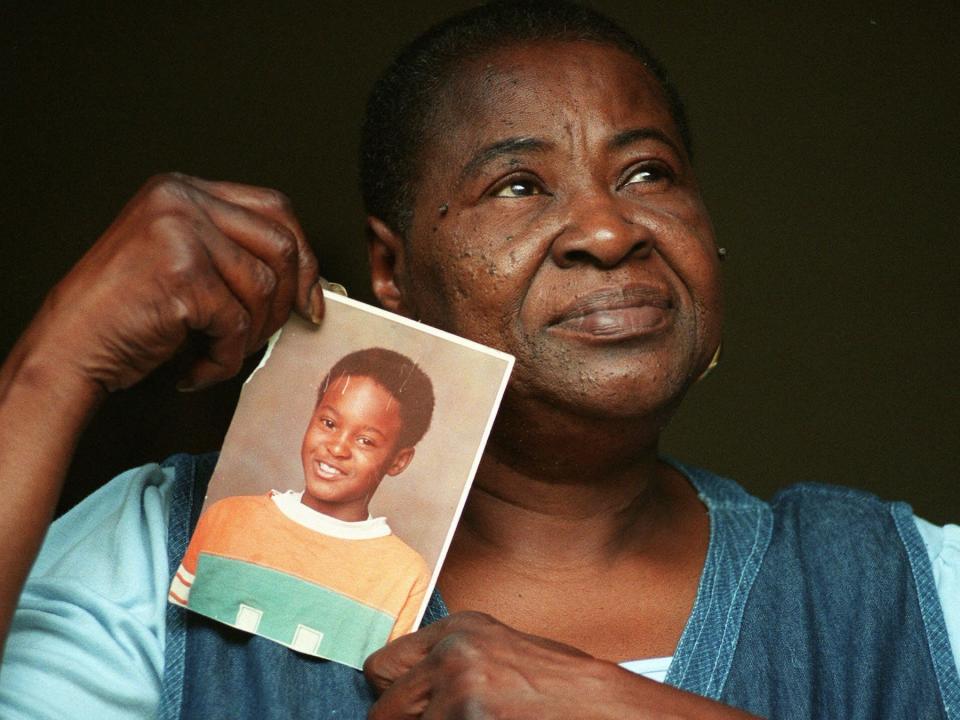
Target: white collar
pixel 290 504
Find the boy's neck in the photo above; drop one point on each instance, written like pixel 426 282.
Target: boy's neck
pixel 290 505
pixel 345 512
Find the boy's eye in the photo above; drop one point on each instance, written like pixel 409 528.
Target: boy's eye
pixel 518 188
pixel 327 423
pixel 365 441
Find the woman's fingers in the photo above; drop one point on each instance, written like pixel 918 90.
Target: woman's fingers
pixel 186 258
pixel 257 258
pixel 275 206
pixel 469 665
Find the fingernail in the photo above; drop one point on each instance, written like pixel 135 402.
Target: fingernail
pixel 332 286
pixel 336 288
pixel 185 386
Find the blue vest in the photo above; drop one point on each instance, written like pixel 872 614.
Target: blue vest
pixel 819 604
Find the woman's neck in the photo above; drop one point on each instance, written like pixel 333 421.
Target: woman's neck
pixel 541 522
pixel 557 539
pixel 597 484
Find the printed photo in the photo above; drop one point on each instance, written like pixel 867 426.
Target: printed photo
pixel 340 482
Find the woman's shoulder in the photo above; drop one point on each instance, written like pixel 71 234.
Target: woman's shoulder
pixel 827 497
pixel 96 598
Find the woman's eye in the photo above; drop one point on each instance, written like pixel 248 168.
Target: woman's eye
pixel 518 188
pixel 648 174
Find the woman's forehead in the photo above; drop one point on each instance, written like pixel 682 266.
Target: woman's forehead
pixel 532 88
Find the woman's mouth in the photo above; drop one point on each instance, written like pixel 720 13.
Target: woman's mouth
pixel 616 314
pixel 614 322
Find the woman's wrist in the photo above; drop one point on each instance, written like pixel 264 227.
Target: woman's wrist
pixel 42 368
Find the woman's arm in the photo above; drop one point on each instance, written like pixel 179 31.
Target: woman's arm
pixel 215 265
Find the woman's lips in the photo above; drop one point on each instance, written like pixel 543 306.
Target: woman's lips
pixel 616 314
pixel 615 322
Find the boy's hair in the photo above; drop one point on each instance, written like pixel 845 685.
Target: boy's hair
pixel 401 377
pixel 402 106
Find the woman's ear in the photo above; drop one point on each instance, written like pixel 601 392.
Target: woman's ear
pixel 386 251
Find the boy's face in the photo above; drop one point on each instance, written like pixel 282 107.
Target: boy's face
pixel 350 444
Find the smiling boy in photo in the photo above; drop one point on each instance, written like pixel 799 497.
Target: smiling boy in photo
pixel 312 569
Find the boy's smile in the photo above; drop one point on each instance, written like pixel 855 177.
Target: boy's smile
pixel 327 471
pixel 349 445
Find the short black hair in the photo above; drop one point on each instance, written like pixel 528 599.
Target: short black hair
pixel 400 105
pixel 401 377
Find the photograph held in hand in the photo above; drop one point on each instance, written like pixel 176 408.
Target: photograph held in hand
pixel 528 184
pixel 310 567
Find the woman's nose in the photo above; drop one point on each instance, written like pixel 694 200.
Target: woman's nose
pixel 597 232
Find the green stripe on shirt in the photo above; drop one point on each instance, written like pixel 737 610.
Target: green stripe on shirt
pixel 335 627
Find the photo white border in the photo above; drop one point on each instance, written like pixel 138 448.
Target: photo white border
pixel 508 359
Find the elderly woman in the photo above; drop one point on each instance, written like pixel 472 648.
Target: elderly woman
pixel 527 172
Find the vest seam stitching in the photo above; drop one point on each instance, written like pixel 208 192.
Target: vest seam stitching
pixel 945 671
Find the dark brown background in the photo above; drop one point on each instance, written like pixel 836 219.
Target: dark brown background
pixel 827 143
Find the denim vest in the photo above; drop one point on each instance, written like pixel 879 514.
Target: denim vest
pixel 819 604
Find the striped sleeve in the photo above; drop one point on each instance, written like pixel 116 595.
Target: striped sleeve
pixel 179 592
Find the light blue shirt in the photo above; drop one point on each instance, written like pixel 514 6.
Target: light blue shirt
pixel 87 639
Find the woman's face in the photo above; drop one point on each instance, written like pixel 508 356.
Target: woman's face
pixel 557 217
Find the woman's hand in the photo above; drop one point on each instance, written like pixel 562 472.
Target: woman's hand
pixel 210 265
pixel 469 666
pixel 186 257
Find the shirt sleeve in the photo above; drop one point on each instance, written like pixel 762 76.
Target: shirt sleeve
pixel 87 639
pixel 943 547
pixel 410 609
pixel 179 592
